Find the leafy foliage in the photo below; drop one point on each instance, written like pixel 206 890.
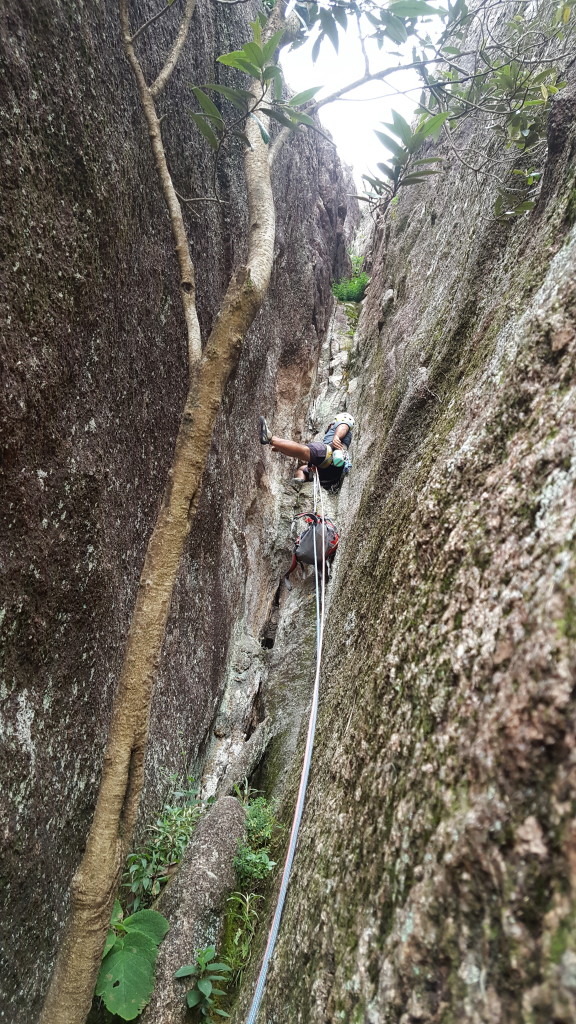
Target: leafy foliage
pixel 255 59
pixel 126 977
pixel 252 862
pixel 260 822
pixel 351 289
pixel 252 865
pixel 240 928
pixel 508 76
pixel 149 868
pixel 207 976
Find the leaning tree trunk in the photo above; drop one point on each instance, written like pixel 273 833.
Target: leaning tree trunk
pixel 96 880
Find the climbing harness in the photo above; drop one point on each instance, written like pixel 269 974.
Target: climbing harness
pixel 319 588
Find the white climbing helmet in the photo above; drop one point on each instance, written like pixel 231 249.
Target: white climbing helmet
pixel 338 458
pixel 345 417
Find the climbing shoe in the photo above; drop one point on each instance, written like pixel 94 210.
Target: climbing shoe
pixel 265 432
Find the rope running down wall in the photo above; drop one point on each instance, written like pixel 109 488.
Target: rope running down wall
pixel 270 945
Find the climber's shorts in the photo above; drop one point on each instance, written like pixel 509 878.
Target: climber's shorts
pixel 319 453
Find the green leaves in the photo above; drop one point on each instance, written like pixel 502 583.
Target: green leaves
pixel 149 923
pixel 403 169
pixel 126 977
pixel 240 98
pixel 126 982
pixel 304 97
pixel 253 58
pixel 329 27
pixel 205 971
pixel 415 9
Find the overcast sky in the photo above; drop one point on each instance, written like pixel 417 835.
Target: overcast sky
pixel 351 121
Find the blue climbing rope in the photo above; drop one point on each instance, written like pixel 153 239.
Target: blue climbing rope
pixel 319 588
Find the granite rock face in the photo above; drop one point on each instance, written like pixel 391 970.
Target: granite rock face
pixel 93 347
pixel 435 873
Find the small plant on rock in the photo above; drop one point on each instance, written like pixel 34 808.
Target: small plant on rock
pixel 252 862
pixel 241 923
pixel 261 822
pixel 207 975
pixel 150 866
pixel 252 865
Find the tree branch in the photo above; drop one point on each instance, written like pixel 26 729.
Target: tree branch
pixel 161 79
pixel 376 76
pixel 172 3
pixel 187 278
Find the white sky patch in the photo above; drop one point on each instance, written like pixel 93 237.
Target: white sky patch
pixel 351 121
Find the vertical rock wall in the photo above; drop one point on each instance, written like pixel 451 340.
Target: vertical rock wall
pixel 434 878
pixel 95 373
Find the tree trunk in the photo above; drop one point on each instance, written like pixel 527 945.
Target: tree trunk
pixel 96 881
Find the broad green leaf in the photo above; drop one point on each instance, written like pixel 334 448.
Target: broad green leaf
pixel 414 9
pixel 221 1013
pixel 392 145
pixel 396 30
pixel 271 46
pixel 432 125
pixel 303 118
pixel 329 27
pixel 272 71
pixel 316 48
pixel 278 115
pixel 230 59
pixel 400 127
pixel 203 126
pixel 207 105
pixel 387 171
pixel 340 15
pixel 110 940
pixel 256 27
pixel 125 983
pixel 193 997
pixel 239 97
pixel 238 60
pixel 254 54
pixel 430 160
pixel 150 922
pixel 304 96
pixel 414 179
pixel 204 986
pixel 186 971
pixel 139 943
pixel 220 967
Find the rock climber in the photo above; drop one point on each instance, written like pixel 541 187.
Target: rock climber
pixel 327 457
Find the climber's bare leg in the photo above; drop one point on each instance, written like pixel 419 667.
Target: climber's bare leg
pixel 291 448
